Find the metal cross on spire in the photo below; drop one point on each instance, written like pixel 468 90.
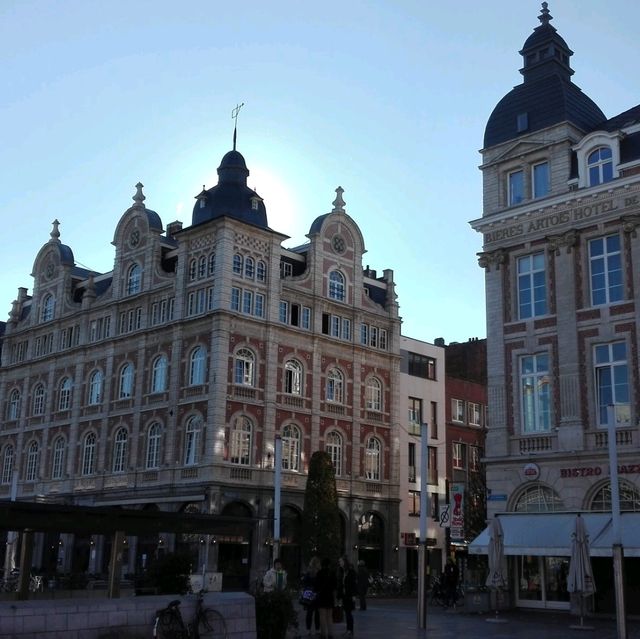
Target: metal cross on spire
pixel 234 116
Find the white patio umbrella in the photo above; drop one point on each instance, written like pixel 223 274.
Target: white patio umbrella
pixel 497 578
pixel 580 577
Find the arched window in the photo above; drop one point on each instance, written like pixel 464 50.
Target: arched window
pixel 37 407
pixel 95 388
pixel 240 441
pixel 125 385
pixel 134 279
pixel 89 455
pixel 237 264
pixel 291 447
pixel 249 268
pixel 374 394
pixel 64 394
pixel 244 367
pixel 33 459
pixel 629 497
pixel 7 464
pixel 192 441
pixel 261 271
pixel 57 458
pixel 120 451
pixel 333 447
pixel 335 386
pixel 538 499
pixel 159 374
pixel 202 267
pixel 197 366
pixel 336 286
pixel 13 407
pixel 154 435
pixel 600 166
pixel 48 308
pixel 211 264
pixel 193 269
pixel 293 377
pixel 372 459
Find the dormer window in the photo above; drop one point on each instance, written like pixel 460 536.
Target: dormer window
pixel 600 166
pixel 598 158
pixel 255 202
pixel 522 122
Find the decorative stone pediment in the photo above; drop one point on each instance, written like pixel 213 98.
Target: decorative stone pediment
pixel 563 240
pixel 493 258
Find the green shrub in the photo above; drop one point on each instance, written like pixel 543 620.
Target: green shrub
pixel 170 574
pixel 275 612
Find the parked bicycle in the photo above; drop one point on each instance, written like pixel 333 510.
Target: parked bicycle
pixel 206 623
pixel 441 596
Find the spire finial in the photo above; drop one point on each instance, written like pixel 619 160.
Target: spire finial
pixel 338 203
pixel 55 233
pixel 139 197
pixel 234 116
pixel 545 16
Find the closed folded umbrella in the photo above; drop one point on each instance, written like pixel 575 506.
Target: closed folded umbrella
pixel 580 577
pixel 497 577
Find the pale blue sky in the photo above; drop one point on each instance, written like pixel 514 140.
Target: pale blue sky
pixel 387 99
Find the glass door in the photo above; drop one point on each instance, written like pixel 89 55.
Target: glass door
pixel 542 582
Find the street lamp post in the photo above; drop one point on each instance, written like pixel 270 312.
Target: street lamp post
pixel 616 550
pixel 422 549
pixel 276 497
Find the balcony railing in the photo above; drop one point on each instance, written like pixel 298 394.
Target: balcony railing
pixel 536 444
pixel 624 438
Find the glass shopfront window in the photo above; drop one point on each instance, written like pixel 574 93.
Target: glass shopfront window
pixel 542 582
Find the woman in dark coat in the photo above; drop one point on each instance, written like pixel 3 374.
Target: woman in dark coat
pixel 347 590
pixel 325 597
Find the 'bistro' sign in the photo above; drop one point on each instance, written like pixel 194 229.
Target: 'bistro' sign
pixel 595 471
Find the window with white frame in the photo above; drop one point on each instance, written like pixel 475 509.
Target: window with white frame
pixel 202 267
pixel 432 465
pixel 605 263
pixel 540 179
pixel 211 264
pixel 336 286
pixel 193 270
pixel 235 298
pixel 134 279
pixel 474 458
pixel 159 374
pixel 611 370
pixel 125 383
pixel 458 455
pixel 247 302
pixel 249 268
pixel 335 386
pixel 237 264
pixel 628 493
pixel 37 407
pixel 33 462
pixel 333 447
pixel 89 455
pixel 374 394
pixel 64 394
pixel 515 187
pixel 95 388
pixel 192 436
pixel 532 286
pixel 240 441
pixel 57 458
pixel 535 393
pixel 154 435
pixel 415 414
pixel 244 367
pixel 457 410
pixel 261 271
pixel 48 307
pixel 293 377
pixel 372 459
pixel 7 464
pixel 600 166
pixel 13 407
pixel 291 448
pixel 119 461
pixel 475 414
pixel 197 366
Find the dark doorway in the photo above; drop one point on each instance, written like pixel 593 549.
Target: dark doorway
pixel 371 541
pixel 234 549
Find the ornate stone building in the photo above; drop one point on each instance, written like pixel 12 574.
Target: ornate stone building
pixel 163 383
pixel 561 254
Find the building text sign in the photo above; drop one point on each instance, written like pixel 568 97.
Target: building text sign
pixel 596 471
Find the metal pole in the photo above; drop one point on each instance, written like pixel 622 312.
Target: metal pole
pixel 616 551
pixel 12 535
pixel 422 550
pixel 276 497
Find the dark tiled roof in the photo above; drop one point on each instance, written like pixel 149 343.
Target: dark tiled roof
pixel 546 102
pixel 377 294
pixel 628 117
pixel 316 225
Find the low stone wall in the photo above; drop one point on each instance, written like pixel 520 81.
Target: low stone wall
pixel 124 618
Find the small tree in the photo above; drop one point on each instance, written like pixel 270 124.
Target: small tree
pixel 321 516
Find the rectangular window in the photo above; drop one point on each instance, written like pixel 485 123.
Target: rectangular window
pixel 458 455
pixel 415 415
pixel 247 302
pixel 306 317
pixel 235 298
pixel 475 414
pixel 335 326
pixel 605 263
pixel 516 187
pixel 373 339
pixel 210 298
pixel 532 286
pixel 286 269
pixel 422 366
pixel 414 503
pixel 258 309
pixel 383 339
pixel 411 461
pixel 457 410
pixel 346 329
pixel 364 334
pixel 283 312
pixel 434 420
pixel 535 393
pixel 540 179
pixel 432 465
pixel 474 459
pixel 612 383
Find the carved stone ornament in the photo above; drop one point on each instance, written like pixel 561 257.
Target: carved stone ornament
pixel 566 240
pixel 630 223
pixel 493 258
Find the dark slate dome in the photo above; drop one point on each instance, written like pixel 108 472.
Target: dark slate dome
pixel 231 196
pixel 547 96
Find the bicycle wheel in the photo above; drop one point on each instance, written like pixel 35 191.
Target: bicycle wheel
pixel 211 625
pixel 169 625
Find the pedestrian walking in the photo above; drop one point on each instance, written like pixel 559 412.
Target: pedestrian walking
pixel 275 578
pixel 363 584
pixel 450 579
pixel 347 590
pixel 325 596
pixel 309 597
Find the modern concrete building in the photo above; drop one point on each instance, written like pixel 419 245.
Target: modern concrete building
pixel 163 383
pixel 561 253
